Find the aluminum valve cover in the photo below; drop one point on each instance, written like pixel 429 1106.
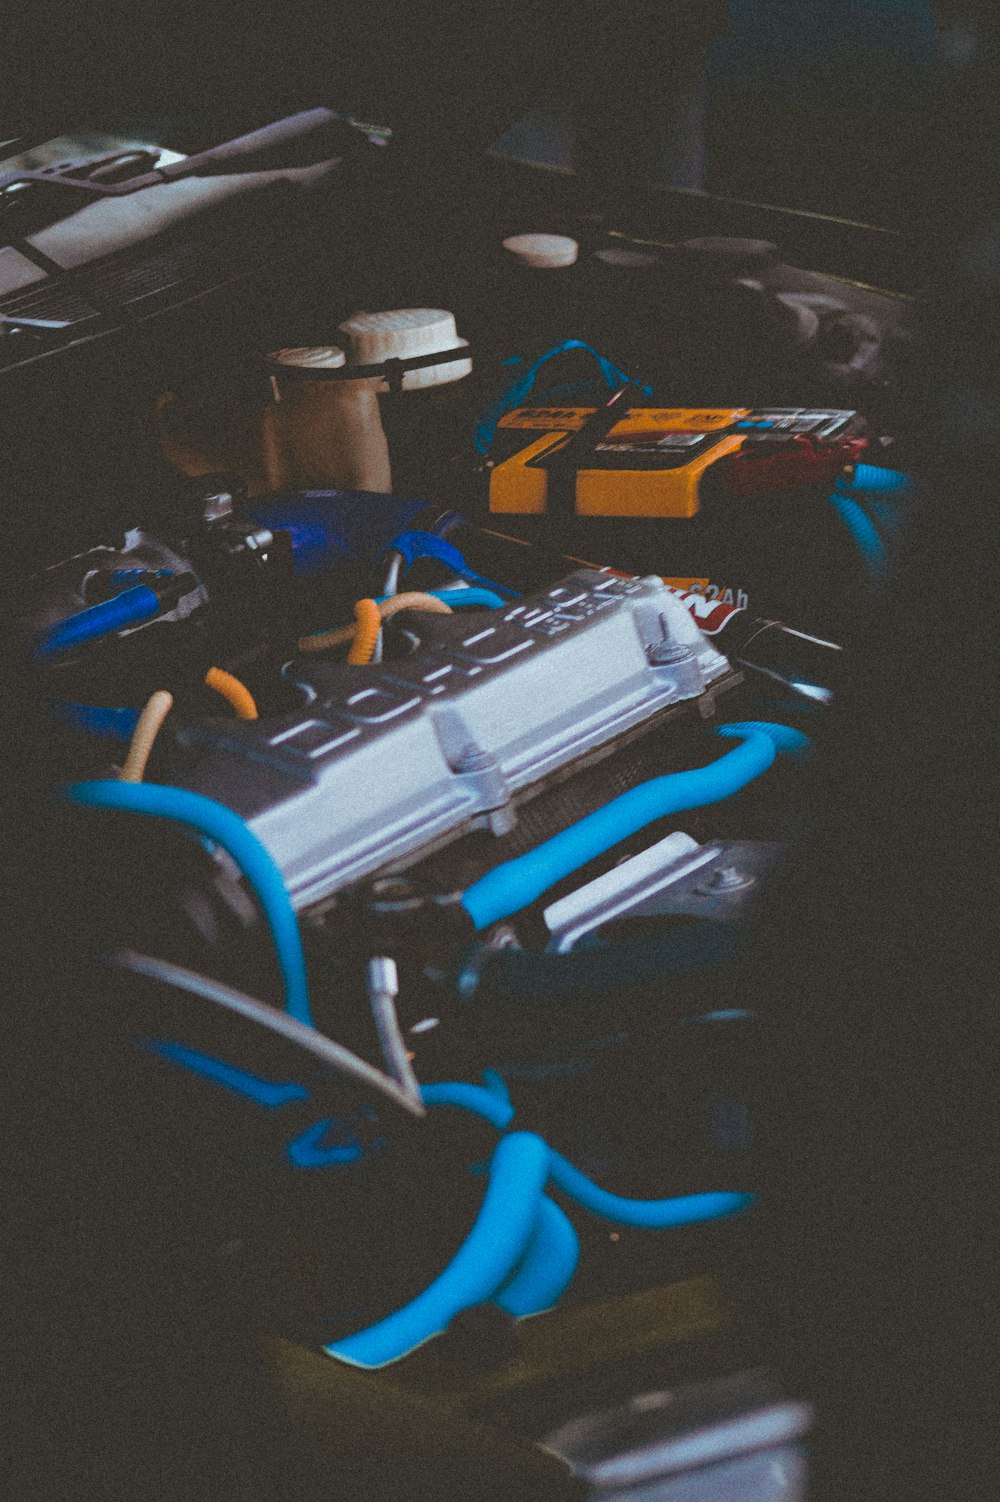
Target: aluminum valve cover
pixel 392 760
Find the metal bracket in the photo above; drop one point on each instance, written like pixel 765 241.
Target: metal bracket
pixel 674 877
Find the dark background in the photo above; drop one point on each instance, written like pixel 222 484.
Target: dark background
pixel 880 973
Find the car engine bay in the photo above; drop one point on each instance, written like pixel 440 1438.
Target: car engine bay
pixel 433 616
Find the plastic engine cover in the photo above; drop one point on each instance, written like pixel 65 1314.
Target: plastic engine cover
pixel 393 760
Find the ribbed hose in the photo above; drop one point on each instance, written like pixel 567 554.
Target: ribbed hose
pixel 369 620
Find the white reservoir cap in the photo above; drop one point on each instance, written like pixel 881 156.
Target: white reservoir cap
pixel 402 333
pixel 544 251
pixel 315 357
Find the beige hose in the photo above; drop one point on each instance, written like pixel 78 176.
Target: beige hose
pixel 413 599
pixel 149 725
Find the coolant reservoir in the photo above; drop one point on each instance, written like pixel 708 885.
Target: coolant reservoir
pixel 322 434
pixel 314 434
pixel 427 412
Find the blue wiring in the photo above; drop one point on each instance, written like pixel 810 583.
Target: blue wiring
pixel 522 1250
pixel 486 427
pixel 872 477
pixel 679 1210
pixel 474 1098
pixel 267 1093
pixel 308 1149
pixel 127 609
pixel 548 1265
pixel 494 1083
pixel 659 1215
pixel 416 544
pixel 456 598
pixel 490 1254
pixel 516 883
pixel 96 719
pixel 221 824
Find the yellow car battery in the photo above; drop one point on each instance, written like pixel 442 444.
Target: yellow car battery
pixel 660 462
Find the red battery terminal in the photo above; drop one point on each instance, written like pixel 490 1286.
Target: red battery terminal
pixel 799 459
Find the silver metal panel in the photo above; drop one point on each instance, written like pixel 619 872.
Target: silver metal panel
pixel 674 877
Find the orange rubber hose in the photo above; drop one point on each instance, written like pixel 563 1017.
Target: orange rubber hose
pixel 233 691
pixel 413 599
pixel 369 619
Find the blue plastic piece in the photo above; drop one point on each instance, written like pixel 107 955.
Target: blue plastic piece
pixel 329 527
pixel 863 531
pixel 514 885
pixel 127 609
pixel 474 1098
pixel 681 1210
pixel 482 1265
pixel 456 598
pixel 416 544
pixel 486 427
pixel 308 1150
pixel 547 1267
pixel 96 719
pixel 214 820
pixel 446 522
pixel 267 1093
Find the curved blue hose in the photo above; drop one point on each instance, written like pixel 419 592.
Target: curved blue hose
pixel 474 1098
pixel 221 824
pixel 547 1267
pixel 874 477
pixel 680 1210
pixel 885 514
pixel 484 1262
pixel 874 503
pixel 127 609
pixel 786 740
pixel 523 1249
pixel 415 544
pixel 513 885
pixel 494 1083
pixel 864 533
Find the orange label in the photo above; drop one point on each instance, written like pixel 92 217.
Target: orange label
pixel 548 419
pixel 677 419
pixel 686 585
